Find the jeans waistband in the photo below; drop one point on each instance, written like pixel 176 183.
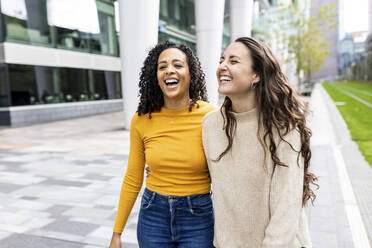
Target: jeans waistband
pixel 153 194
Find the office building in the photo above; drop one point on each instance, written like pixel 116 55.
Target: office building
pixel 70 58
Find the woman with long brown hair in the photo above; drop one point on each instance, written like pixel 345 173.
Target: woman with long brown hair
pixel 258 152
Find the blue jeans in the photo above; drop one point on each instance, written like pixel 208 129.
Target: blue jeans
pixel 175 221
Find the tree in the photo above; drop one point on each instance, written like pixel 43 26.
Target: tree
pixel 303 36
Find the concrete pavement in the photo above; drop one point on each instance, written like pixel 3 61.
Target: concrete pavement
pixel 60 183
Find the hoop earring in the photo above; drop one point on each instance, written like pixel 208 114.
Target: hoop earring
pixel 253 85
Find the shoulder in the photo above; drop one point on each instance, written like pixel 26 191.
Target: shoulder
pixel 293 137
pixel 212 117
pixel 205 107
pixel 138 120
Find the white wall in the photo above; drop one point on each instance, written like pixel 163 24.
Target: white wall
pixel 14 53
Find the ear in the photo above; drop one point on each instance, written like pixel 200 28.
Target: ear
pixel 256 78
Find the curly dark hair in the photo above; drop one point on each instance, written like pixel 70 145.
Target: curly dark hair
pixel 280 111
pixel 151 96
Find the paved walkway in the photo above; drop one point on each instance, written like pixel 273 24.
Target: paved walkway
pixel 331 219
pixel 60 183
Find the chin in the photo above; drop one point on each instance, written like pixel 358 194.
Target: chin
pixel 223 90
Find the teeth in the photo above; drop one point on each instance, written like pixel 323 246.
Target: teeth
pixel 170 81
pixel 225 78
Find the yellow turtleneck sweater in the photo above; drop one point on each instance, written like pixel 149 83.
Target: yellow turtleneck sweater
pixel 170 143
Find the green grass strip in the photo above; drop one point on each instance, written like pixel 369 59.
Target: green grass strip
pixel 357 116
pixel 361 90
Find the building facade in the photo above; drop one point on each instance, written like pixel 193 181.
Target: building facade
pixel 329 70
pixel 59 62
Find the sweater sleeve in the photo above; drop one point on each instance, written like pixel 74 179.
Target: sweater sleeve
pixel 285 196
pixel 204 139
pixel 134 176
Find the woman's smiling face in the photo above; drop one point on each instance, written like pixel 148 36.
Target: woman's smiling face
pixel 235 74
pixel 173 74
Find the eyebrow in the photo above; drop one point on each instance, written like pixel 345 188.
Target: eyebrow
pixel 231 57
pixel 175 60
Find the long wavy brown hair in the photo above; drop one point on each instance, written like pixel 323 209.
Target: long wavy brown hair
pixel 279 111
pixel 151 96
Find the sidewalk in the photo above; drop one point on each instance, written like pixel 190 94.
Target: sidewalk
pixel 60 183
pixel 339 217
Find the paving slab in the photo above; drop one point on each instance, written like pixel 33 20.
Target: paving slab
pixel 66 177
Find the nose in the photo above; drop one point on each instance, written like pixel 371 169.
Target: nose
pixel 169 70
pixel 222 66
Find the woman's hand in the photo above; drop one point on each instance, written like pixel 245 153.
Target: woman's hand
pixel 115 240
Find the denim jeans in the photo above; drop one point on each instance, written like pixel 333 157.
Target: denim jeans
pixel 175 221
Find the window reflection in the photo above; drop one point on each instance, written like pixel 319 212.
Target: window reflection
pixel 62 24
pixel 69 14
pixel 4 97
pixel 226 26
pixel 24 21
pixel 178 13
pixel 42 85
pixel 23 85
pixel 164 36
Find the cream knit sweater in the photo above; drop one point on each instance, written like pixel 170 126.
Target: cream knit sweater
pixel 254 207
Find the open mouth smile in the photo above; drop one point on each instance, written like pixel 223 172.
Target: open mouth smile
pixel 171 83
pixel 225 79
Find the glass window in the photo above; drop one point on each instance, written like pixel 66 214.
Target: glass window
pixel 23 86
pixel 107 39
pixel 4 93
pixel 163 9
pixel 106 85
pixel 25 21
pixel 178 13
pixel 2 29
pixel 164 36
pixel 226 26
pixel 74 84
pixel 84 85
pixel 42 85
pixel 62 24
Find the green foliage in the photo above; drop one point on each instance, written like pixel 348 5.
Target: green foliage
pixel 303 35
pixel 357 115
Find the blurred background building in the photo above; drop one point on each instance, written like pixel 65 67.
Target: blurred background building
pixel 329 70
pixel 352 49
pixel 63 59
pixel 58 59
pixel 355 49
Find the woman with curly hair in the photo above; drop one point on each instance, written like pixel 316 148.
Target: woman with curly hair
pixel 165 133
pixel 258 151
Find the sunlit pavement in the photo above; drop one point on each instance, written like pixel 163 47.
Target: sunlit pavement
pixel 60 183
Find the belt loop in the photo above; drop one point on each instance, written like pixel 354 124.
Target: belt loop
pixel 189 202
pixel 153 196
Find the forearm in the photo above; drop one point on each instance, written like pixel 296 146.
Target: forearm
pixel 115 240
pixel 128 196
